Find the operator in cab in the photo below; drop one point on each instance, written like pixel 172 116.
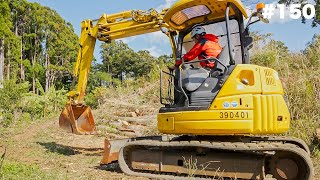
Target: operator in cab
pixel 206 46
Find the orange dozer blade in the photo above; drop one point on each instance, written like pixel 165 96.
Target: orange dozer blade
pixel 77 119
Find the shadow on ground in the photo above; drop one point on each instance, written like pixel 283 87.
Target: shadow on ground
pixel 113 167
pixel 69 150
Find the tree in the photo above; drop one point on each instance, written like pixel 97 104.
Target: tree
pixel 313 50
pixel 267 51
pixel 119 58
pixel 5 35
pixel 165 60
pixel 316 19
pixel 36 44
pixel 1 62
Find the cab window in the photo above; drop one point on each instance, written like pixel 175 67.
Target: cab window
pixel 219 30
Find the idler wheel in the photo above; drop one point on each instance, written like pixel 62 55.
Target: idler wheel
pixel 287 166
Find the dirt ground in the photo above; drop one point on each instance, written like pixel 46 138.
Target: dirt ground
pixel 69 156
pixel 66 155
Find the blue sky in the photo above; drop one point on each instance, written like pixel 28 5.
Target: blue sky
pixel 293 33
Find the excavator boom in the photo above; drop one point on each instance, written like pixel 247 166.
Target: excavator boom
pixel 76 117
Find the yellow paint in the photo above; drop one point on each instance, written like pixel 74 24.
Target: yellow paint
pixel 111 27
pixel 253 109
pixel 234 86
pixel 272 83
pixel 244 102
pixel 167 124
pixel 84 59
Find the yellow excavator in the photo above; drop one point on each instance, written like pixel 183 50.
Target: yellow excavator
pixel 216 121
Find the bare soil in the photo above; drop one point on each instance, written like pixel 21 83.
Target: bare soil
pixel 69 156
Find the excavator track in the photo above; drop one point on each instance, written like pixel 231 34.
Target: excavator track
pixel 202 157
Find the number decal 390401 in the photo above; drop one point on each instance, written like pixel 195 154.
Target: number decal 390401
pixel 234 115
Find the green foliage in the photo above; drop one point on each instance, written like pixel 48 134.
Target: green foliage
pixel 38 44
pixel 10 101
pixel 140 68
pixel 274 53
pixel 17 171
pixel 5 22
pixel 96 97
pixel 165 60
pixel 17 104
pixel 141 90
pixel 98 77
pixel 119 58
pixel 300 75
pixel 313 50
pixel 42 105
pixel 40 49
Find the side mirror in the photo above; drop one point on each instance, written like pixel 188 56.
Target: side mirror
pixel 258 14
pixel 259 8
pixel 261 18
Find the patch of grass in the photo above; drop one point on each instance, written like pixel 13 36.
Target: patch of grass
pixel 303 129
pixel 300 76
pixel 17 171
pixel 194 167
pixel 152 129
pixel 112 130
pixel 191 165
pixel 22 126
pixel 316 162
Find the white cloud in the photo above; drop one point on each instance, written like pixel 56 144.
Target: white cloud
pixel 249 11
pixel 276 17
pixel 159 43
pixel 155 51
pixel 128 39
pixel 313 2
pixel 156 38
pixel 167 4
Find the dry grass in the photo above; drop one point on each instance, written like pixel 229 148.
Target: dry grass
pixel 191 164
pixel 300 75
pixel 128 111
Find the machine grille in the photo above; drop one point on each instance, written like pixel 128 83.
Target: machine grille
pixel 270 80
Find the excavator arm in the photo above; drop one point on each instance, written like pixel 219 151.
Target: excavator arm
pixel 77 117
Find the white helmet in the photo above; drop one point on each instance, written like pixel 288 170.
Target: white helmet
pixel 198 30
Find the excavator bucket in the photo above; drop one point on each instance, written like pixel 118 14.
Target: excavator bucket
pixel 111 150
pixel 113 147
pixel 77 119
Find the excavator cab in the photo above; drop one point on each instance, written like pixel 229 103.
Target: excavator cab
pixel 235 97
pixel 196 87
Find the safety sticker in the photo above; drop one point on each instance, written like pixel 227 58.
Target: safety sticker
pixel 240 87
pixel 234 104
pixel 226 104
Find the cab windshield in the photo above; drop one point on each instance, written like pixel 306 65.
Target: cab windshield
pixel 219 30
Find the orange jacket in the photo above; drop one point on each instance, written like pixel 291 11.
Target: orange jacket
pixel 206 47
